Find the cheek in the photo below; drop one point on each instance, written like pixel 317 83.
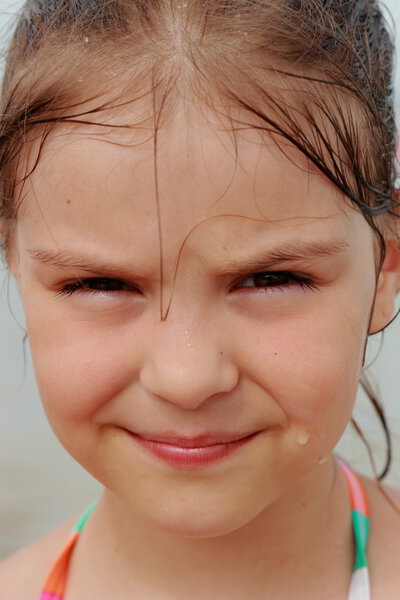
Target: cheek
pixel 79 365
pixel 311 365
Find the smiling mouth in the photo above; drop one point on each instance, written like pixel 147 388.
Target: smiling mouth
pixel 193 453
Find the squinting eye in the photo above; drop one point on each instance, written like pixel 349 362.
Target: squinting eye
pixel 277 279
pixel 96 285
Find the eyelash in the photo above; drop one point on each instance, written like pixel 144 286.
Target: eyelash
pixel 273 279
pixel 95 285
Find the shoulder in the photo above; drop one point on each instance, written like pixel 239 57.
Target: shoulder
pixel 22 574
pixel 384 546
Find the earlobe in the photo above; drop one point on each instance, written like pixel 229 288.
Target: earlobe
pixel 388 285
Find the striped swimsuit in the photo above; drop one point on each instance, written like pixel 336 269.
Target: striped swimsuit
pixel 56 581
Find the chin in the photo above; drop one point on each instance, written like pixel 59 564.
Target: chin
pixel 208 521
pixel 197 528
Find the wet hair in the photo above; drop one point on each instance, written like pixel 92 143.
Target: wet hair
pixel 313 74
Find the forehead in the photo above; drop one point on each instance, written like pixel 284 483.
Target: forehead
pixel 201 178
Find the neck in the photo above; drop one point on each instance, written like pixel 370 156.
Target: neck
pixel 297 546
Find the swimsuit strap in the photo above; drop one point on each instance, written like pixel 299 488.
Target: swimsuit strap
pixel 56 582
pixel 360 588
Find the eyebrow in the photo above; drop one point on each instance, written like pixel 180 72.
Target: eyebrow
pixel 65 259
pixel 289 252
pixel 68 260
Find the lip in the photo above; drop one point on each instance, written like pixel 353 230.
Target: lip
pixel 195 452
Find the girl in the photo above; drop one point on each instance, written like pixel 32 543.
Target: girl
pixel 198 206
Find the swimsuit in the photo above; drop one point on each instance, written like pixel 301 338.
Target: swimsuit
pixel 57 579
pixel 360 588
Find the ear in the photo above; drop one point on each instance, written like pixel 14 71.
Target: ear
pixel 7 247
pixel 387 287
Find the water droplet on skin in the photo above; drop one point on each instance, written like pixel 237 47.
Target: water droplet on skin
pixel 187 336
pixel 302 438
pixel 323 460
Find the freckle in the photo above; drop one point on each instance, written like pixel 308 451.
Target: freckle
pixel 68 201
pixel 275 354
pixel 221 353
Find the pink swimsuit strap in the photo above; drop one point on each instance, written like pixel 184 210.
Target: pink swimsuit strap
pixel 57 579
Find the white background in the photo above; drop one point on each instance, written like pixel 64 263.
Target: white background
pixel 39 484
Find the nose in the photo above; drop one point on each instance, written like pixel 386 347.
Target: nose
pixel 186 366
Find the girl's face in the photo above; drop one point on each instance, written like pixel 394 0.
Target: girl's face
pixel 269 278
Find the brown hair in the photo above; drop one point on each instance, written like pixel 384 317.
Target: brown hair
pixel 314 73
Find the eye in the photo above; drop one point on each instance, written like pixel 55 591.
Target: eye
pixel 276 279
pixel 101 285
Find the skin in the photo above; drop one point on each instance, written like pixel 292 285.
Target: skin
pixel 226 356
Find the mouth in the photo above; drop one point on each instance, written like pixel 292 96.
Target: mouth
pixel 194 452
